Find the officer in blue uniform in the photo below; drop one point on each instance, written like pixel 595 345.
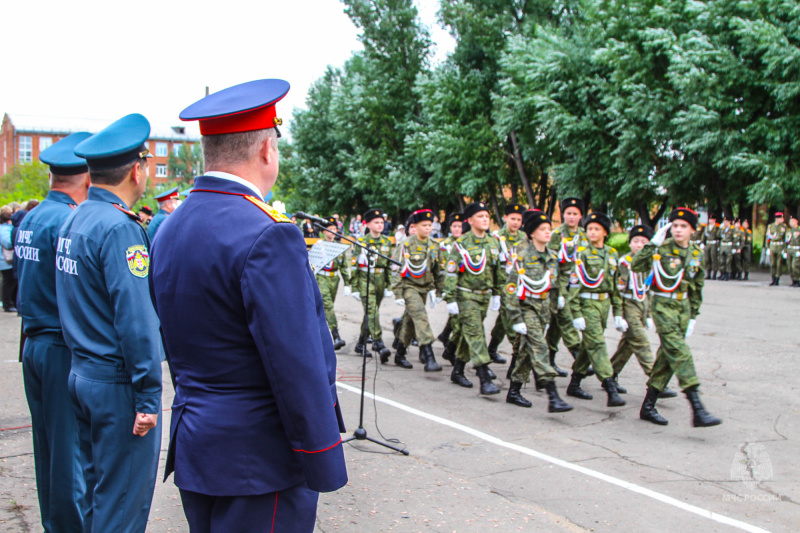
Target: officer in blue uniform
pixel 102 265
pixel 167 202
pixel 45 357
pixel 255 430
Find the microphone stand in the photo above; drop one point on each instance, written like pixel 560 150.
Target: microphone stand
pixel 360 433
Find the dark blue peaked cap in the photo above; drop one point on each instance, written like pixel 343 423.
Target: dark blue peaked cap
pixel 61 156
pixel 118 144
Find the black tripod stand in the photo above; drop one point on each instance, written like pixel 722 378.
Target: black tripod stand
pixel 360 433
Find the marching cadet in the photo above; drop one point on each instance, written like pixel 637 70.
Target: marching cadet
pixel 678 277
pixel 562 240
pixel 636 312
pixel 46 359
pixel 747 250
pixel 792 251
pixel 728 246
pixel 510 238
pixel 377 268
pixel 711 242
pixel 776 244
pixel 596 266
pixel 454 222
pixel 167 203
pixel 697 236
pixel 533 276
pixel 473 282
pixel 111 328
pixel 419 279
pixel 328 281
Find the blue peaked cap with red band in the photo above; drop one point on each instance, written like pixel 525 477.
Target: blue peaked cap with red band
pixel 246 107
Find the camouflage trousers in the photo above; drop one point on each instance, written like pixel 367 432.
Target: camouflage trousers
pixel 726 257
pixel 776 260
pixel 502 328
pixel 531 348
pixel 711 257
pixel 472 309
pixel 593 349
pixel 372 325
pixel 415 317
pixel 747 258
pixel 328 285
pixel 793 262
pixel 673 356
pixel 633 341
pixel 561 325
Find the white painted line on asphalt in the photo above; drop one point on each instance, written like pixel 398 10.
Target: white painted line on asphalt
pixel 722 519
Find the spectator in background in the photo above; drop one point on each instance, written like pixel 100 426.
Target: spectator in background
pixel 146 215
pixel 16 219
pixel 436 228
pixel 399 235
pixel 309 232
pixel 339 227
pixel 387 225
pixel 356 227
pixel 9 291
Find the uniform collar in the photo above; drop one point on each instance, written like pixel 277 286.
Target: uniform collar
pixel 60 197
pixel 230 178
pixel 104 195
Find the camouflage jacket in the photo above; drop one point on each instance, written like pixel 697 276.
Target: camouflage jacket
pixel 597 271
pixel 481 269
pixel 379 267
pixel 532 283
pixel 776 235
pixel 421 265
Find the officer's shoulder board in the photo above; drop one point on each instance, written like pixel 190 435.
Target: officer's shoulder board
pixel 128 212
pixel 274 214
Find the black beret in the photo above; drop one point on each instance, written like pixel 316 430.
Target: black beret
pixel 421 216
pixel 641 230
pixel 573 201
pixel 533 219
pixel 598 218
pixel 146 210
pixel 330 221
pixel 372 214
pixel 475 208
pixel 454 217
pixel 513 208
pixel 685 214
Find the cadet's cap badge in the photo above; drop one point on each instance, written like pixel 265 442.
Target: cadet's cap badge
pixel 138 260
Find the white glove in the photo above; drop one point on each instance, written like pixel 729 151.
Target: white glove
pixel 649 324
pixel 452 308
pixel 783 255
pixel 797 254
pixel 620 324
pixel 387 293
pixel 561 303
pixel 661 235
pixel 579 323
pixel 432 299
pixel 767 252
pixel 495 304
pixel 702 246
pixel 347 291
pixel 690 328
pixel 356 295
pixel 545 329
pixel 520 328
pixel 400 301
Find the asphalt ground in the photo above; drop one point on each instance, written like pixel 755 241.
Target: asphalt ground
pixel 478 464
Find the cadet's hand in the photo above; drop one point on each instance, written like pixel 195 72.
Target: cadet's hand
pixel 649 324
pixel 690 328
pixel 520 328
pixel 620 324
pixel 356 295
pixel 661 235
pixel 432 300
pixel 452 308
pixel 767 252
pixel 495 305
pixel 561 303
pixel 347 291
pixel 387 293
pixel 144 423
pixel 400 301
pixel 579 323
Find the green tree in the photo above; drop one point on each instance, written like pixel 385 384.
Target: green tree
pixel 187 164
pixel 24 182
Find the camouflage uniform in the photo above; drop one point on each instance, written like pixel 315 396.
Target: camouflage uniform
pixel 635 311
pixel 697 236
pixel 379 279
pixel 747 251
pixel 793 254
pixel 561 319
pixel 328 281
pixel 417 255
pixel 510 247
pixel 730 243
pixel 711 241
pixel 673 309
pixel 452 331
pixel 776 241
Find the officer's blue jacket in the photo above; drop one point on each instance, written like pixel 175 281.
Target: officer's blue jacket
pixel 255 409
pixel 103 295
pixel 152 227
pixel 35 248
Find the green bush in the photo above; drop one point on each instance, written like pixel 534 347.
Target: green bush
pixel 619 241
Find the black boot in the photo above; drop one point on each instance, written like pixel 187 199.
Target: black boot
pixel 449 353
pixel 574 387
pixel 747 276
pixel 614 399
pixel 554 402
pixel 396 323
pixel 457 375
pixel 559 372
pixel 493 355
pixel 536 381
pixel 648 411
pixel 487 387
pixel 796 283
pixel 777 281
pixel 378 346
pixel 702 418
pixel 338 342
pixel 714 275
pixel 620 389
pixel 399 357
pixel 515 396
pixel 667 393
pixel 430 361
pixel 723 276
pixel 489 372
pixel 511 366
pixel 360 346
pixel 414 342
pixel 444 336
pixel 574 353
pixel 708 275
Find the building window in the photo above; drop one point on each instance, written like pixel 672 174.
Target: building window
pixel 45 143
pixel 176 148
pixel 25 149
pixel 161 171
pixel 161 150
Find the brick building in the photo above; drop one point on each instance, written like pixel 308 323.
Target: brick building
pixel 23 137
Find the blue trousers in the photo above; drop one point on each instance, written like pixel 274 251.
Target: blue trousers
pixel 56 448
pixel 119 467
pixel 293 510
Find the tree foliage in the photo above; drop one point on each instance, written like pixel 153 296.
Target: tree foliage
pixel 25 181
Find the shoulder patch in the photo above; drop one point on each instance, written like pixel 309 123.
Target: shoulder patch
pixel 131 214
pixel 138 260
pixel 274 214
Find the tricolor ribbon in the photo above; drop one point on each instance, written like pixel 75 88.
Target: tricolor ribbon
pixel 328 267
pixel 637 284
pixel 564 255
pixel 584 277
pixel 659 276
pixel 529 286
pixel 410 269
pixel 468 265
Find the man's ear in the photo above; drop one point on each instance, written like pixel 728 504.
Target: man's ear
pixel 137 172
pixel 265 151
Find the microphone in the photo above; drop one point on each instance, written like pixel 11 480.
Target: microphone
pixel 312 218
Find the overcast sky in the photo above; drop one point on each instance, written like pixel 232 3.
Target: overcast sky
pixel 105 59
